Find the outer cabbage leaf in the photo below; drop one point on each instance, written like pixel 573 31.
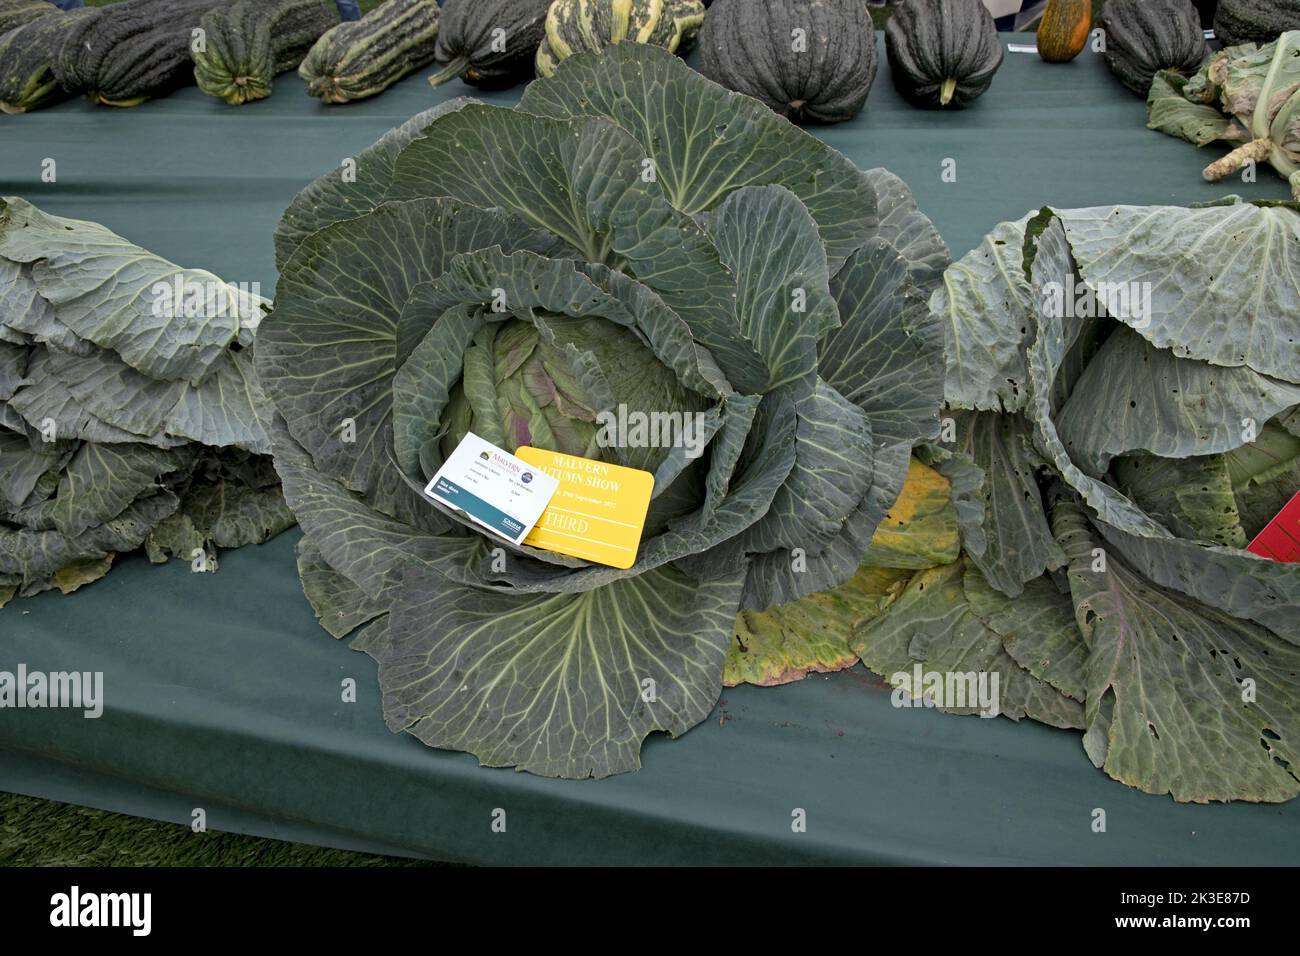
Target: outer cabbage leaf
pixel 351 190
pixel 1170 111
pixel 706 142
pixel 1008 520
pixel 1208 300
pixel 1168 710
pixel 530 680
pixel 105 290
pixel 932 627
pixel 983 303
pixel 920 529
pixel 811 635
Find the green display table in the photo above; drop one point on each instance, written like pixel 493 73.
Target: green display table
pixel 222 693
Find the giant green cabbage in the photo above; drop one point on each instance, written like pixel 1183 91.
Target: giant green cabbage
pixel 1110 462
pixel 129 415
pixel 632 235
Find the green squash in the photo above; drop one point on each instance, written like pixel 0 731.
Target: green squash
pixel 806 59
pixel 17 13
pixel 27 79
pixel 360 58
pixel 490 43
pixel 942 53
pixel 250 41
pixel 1144 37
pixel 126 53
pixel 575 26
pixel 1255 21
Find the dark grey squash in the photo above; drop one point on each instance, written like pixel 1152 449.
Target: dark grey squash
pixel 809 60
pixel 1146 36
pixel 1255 21
pixel 27 79
pixel 126 53
pixel 489 43
pixel 17 13
pixel 942 53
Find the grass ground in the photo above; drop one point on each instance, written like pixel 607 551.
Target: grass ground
pixel 44 833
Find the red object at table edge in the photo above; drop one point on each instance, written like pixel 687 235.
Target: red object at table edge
pixel 1280 539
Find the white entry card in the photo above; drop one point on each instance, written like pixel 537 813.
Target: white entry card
pixel 493 488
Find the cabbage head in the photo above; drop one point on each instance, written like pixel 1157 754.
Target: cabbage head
pixel 632 237
pixel 1124 391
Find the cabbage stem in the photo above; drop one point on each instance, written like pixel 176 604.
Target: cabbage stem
pixel 1256 151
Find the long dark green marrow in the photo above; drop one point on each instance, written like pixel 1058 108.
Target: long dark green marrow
pixel 364 57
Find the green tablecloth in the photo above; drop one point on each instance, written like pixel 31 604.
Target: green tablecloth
pixel 222 693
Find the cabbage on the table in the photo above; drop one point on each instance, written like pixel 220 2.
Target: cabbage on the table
pixel 129 412
pixel 1124 385
pixel 631 235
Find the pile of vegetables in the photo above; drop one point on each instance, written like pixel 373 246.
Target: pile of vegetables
pixel 129 412
pixel 1247 97
pixel 958 467
pixel 248 42
pixel 361 58
pixel 1042 462
pixel 711 260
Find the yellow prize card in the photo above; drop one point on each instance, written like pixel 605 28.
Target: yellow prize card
pixel 598 511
